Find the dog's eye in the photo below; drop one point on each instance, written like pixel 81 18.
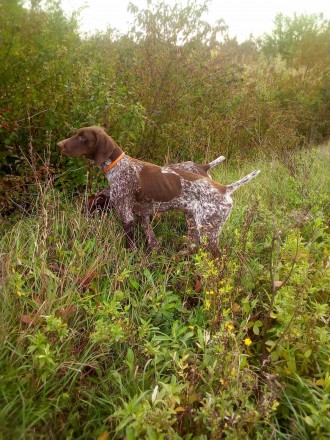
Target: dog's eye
pixel 82 137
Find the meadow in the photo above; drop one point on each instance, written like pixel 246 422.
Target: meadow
pixel 99 342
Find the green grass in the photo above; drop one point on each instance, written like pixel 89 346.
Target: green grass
pixel 97 341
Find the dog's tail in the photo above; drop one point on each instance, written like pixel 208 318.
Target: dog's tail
pixel 207 166
pixel 234 186
pixel 216 162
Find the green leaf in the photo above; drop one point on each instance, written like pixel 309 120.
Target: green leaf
pixel 256 330
pixel 270 343
pixel 309 421
pixel 246 307
pixel 134 284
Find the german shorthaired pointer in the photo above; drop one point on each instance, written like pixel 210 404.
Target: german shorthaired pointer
pixel 141 189
pixel 101 201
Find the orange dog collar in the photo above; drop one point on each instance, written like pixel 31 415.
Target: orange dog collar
pixel 108 168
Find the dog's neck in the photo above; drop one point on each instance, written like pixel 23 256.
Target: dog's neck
pixel 114 158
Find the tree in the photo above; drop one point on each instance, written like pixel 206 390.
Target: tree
pixel 301 40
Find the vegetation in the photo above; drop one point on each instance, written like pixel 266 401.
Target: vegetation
pixel 97 342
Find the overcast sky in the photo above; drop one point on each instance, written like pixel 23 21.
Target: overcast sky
pixel 244 17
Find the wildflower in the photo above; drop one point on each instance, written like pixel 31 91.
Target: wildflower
pixel 209 292
pixel 207 304
pixel 247 341
pixel 229 326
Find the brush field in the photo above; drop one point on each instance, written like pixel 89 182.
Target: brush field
pixel 101 343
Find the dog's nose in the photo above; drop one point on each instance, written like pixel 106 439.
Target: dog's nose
pixel 60 145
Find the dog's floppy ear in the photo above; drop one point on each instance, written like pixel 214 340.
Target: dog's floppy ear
pixel 103 148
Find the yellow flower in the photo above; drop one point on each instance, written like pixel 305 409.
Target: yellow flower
pixel 209 292
pixel 247 341
pixel 229 326
pixel 207 304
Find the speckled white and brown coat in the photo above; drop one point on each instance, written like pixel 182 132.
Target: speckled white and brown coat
pixel 139 189
pixel 101 200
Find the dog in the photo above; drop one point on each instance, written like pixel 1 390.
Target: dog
pixel 101 201
pixel 139 189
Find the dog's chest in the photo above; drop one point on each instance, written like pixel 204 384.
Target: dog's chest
pixel 123 180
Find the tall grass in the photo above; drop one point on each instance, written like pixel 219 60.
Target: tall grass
pixel 99 342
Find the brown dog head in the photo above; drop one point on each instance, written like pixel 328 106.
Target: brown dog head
pixel 91 142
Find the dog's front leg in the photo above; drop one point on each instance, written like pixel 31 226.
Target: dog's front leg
pixel 148 231
pixel 127 221
pixel 192 232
